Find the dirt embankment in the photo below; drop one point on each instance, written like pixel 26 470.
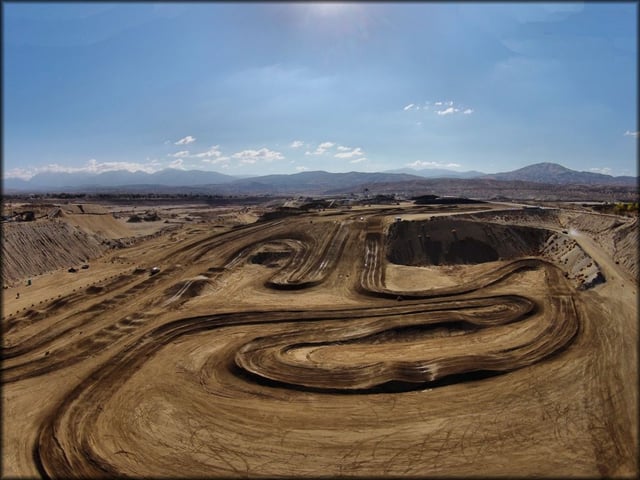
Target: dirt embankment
pixel 445 241
pixel 534 217
pixel 568 255
pixel 37 247
pixel 98 225
pixel 617 235
pixel 64 236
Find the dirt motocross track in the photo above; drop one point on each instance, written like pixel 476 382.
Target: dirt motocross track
pixel 330 343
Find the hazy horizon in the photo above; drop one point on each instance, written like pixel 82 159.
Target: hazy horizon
pixel 273 88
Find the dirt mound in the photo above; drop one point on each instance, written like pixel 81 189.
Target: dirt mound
pixel 30 249
pixel 88 208
pixel 102 226
pixel 61 239
pixel 445 241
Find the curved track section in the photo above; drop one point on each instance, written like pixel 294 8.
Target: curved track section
pixel 358 351
pixel 327 358
pixel 201 395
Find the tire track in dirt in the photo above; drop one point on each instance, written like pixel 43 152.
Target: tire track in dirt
pixel 434 338
pixel 65 449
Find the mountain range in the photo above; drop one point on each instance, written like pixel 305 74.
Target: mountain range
pixel 438 173
pixel 311 182
pixel 169 177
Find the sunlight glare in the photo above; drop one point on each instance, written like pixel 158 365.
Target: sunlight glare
pixel 326 9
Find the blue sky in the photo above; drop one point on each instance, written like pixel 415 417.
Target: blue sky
pixel 252 89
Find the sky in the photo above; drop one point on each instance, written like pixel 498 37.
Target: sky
pixel 262 88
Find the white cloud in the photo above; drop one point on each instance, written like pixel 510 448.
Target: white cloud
pixel 408 107
pixel 322 148
pixel 186 140
pixel 253 156
pixel 358 160
pixel 603 170
pixel 343 149
pixel 420 164
pixel 214 151
pixel 449 108
pixel 215 160
pixel 629 133
pixel 92 166
pixel 296 144
pixel 213 155
pixel 180 154
pixel 177 163
pixel 22 173
pixel 350 153
pixel 447 111
pixel 302 169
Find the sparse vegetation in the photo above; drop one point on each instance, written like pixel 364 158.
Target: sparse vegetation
pixel 617 208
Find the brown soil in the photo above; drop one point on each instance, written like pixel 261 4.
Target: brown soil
pixel 33 248
pixel 617 235
pixel 443 241
pixel 295 347
pixel 66 235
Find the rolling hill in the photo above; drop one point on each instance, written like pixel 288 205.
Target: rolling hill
pixel 556 174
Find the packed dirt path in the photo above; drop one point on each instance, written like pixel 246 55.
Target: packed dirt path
pixel 296 347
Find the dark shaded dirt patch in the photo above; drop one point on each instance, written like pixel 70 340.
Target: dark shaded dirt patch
pixel 453 242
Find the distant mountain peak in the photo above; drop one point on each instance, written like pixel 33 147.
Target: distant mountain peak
pixel 554 173
pixel 547 167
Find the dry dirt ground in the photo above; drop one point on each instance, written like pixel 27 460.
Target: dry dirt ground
pixel 448 342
